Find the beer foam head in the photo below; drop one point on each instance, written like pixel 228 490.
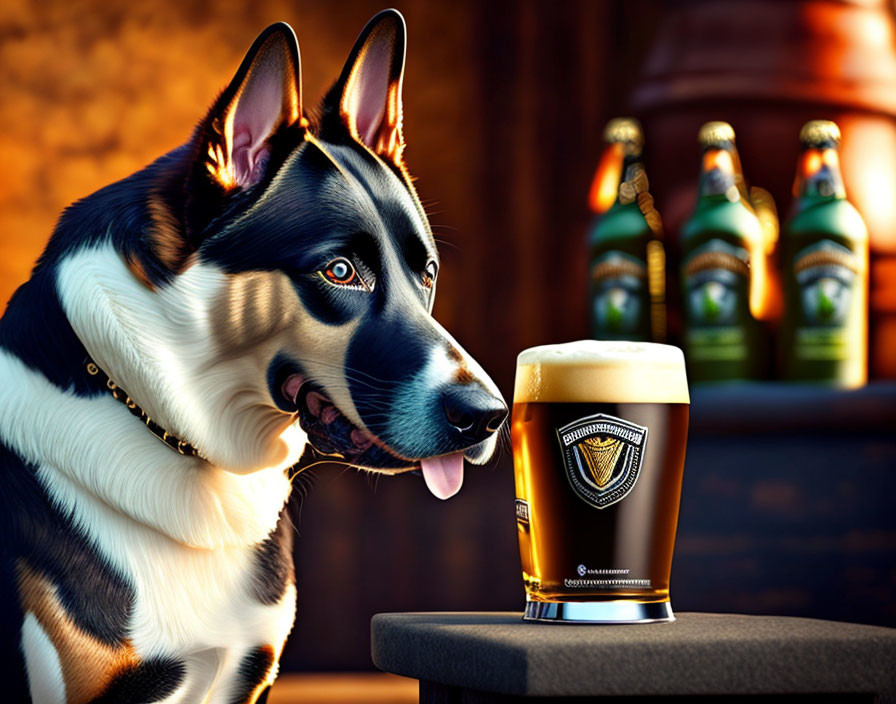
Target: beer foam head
pixel 601 371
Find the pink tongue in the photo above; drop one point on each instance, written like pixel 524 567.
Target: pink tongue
pixel 444 475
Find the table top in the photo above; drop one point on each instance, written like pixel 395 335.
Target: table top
pixel 699 653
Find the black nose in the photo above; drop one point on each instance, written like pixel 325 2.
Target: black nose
pixel 473 412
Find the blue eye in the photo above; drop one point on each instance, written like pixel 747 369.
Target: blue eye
pixel 341 272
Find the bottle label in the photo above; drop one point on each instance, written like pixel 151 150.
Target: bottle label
pixel 716 282
pixel 602 456
pixel 826 276
pixel 717 344
pixel 619 295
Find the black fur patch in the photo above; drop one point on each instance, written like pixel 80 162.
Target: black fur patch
pixel 252 672
pixel 12 661
pixel 95 596
pixel 389 359
pixel 36 330
pixel 150 681
pixel 273 569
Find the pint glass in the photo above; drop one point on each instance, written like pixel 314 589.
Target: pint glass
pixel 599 431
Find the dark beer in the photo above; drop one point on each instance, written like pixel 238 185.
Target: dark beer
pixel 599 434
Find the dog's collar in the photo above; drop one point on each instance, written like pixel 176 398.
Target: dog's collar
pixel 119 394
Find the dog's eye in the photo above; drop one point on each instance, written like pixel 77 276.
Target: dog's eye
pixel 342 272
pixel 429 275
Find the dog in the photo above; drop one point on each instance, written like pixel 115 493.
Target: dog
pixel 185 334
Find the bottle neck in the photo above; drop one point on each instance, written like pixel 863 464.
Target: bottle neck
pixel 617 168
pixel 721 176
pixel 818 175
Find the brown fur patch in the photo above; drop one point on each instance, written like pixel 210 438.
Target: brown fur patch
pixel 255 306
pixel 464 376
pixel 88 665
pixel 139 272
pixel 166 234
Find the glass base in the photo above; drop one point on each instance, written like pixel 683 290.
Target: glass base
pixel 620 611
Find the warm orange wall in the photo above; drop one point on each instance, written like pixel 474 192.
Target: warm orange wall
pixel 92 91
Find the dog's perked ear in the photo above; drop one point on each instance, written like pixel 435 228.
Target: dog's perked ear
pixel 263 97
pixel 366 99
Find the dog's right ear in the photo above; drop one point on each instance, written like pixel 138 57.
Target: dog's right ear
pixel 263 97
pixel 366 99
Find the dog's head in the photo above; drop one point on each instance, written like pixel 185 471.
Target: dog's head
pixel 303 273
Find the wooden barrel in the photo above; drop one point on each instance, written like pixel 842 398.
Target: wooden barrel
pixel 768 66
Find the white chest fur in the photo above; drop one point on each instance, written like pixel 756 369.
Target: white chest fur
pixel 188 599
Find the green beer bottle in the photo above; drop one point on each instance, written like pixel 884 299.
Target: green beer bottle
pixel 724 271
pixel 824 335
pixel 627 261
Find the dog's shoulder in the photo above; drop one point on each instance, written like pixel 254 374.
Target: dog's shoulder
pixel 48 553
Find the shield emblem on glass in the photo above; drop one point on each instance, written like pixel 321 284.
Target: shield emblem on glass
pixel 602 455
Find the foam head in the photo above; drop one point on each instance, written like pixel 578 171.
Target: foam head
pixel 598 371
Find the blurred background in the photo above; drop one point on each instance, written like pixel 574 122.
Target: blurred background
pixel 787 504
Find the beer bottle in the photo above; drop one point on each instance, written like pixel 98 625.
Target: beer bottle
pixel 824 335
pixel 627 261
pixel 724 268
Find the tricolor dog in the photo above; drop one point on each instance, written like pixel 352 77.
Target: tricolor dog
pixel 185 334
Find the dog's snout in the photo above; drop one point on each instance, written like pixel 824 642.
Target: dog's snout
pixel 473 412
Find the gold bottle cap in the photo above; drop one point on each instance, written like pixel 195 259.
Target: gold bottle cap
pixel 820 133
pixel 625 130
pixel 716 134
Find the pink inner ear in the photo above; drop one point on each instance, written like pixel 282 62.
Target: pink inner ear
pixel 370 90
pixel 258 111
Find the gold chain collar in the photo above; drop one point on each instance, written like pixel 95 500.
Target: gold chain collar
pixel 175 443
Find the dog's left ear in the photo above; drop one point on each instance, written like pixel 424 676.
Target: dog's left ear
pixel 367 97
pixel 264 96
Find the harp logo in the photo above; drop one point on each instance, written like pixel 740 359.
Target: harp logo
pixel 602 456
